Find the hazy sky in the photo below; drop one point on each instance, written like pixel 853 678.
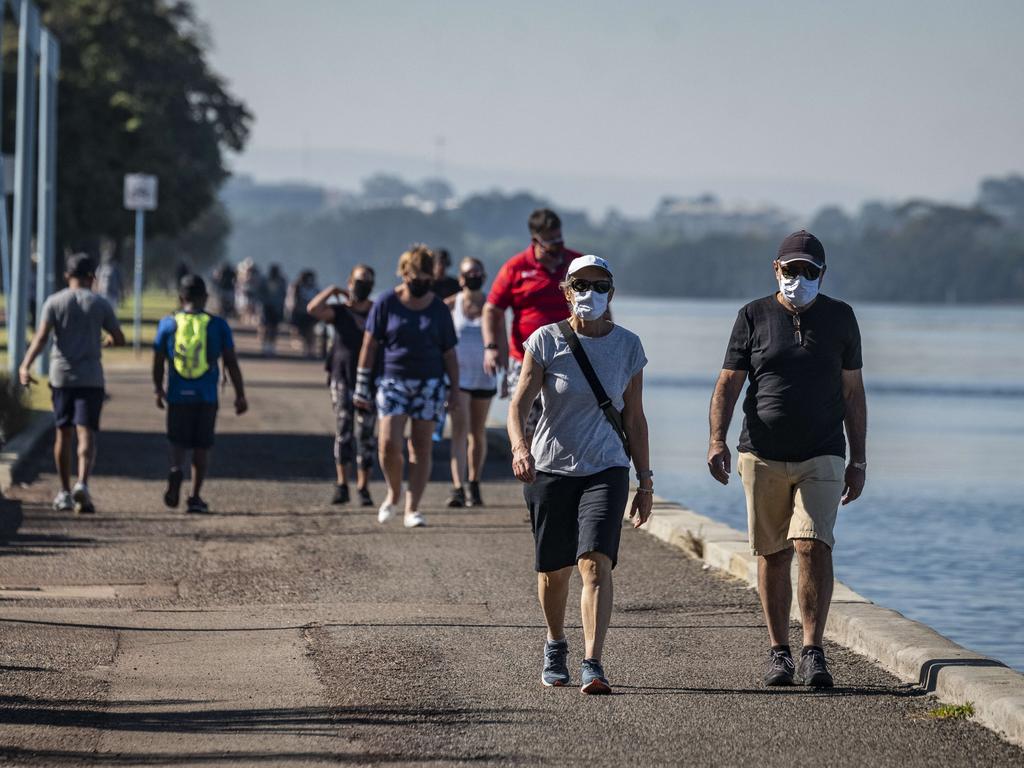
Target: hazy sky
pixel 614 103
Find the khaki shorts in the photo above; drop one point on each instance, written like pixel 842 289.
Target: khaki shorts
pixel 791 500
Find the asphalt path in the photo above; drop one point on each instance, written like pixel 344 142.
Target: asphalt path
pixel 281 630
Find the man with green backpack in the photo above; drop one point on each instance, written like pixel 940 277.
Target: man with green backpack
pixel 193 340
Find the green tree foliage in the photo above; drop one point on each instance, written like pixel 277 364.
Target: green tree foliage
pixel 136 95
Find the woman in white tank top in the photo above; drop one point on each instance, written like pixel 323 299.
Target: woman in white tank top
pixel 475 389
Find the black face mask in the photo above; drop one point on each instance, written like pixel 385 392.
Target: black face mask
pixel 473 283
pixel 361 289
pixel 418 288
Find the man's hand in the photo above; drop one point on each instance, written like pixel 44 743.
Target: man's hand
pixel 160 396
pixel 25 377
pixel 452 403
pixel 719 461
pixel 493 362
pixel 522 464
pixel 640 511
pixel 241 405
pixel 108 341
pixel 854 484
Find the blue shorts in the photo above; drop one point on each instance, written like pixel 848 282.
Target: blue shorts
pixel 421 399
pixel 77 406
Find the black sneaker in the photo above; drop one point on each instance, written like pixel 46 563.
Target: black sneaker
pixel 365 499
pixel 780 668
pixel 340 495
pixel 592 678
pixel 457 498
pixel 556 671
pixel 197 506
pixel 813 670
pixel 474 495
pixel 173 493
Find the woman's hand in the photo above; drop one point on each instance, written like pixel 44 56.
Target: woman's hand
pixel 522 464
pixel 640 511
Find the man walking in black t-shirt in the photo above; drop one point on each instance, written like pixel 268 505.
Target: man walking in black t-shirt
pixel 801 352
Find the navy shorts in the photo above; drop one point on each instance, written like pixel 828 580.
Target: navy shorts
pixel 191 425
pixel 77 406
pixel 571 516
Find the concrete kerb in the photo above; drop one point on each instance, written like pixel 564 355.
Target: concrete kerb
pixel 21 446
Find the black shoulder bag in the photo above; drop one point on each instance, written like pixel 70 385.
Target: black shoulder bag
pixel 603 401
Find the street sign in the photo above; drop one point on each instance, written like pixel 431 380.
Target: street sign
pixel 140 192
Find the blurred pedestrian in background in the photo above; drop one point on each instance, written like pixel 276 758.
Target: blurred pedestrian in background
pixel 415 329
pixel 475 387
pixel 355 437
pixel 247 292
pixel 109 279
pixel 224 284
pixel 444 284
pixel 302 291
pixel 272 298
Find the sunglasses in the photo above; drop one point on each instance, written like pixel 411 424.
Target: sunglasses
pixel 549 245
pixel 579 285
pixel 798 268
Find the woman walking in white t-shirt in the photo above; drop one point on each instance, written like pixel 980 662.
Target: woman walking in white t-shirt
pixel 476 388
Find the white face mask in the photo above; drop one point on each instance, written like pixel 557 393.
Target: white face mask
pixel 590 305
pixel 799 291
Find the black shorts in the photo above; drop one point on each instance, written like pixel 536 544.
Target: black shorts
pixel 77 406
pixel 191 425
pixel 571 516
pixel 479 394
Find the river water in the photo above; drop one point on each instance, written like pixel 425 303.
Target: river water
pixel 937 534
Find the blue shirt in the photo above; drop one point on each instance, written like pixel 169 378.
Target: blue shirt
pixel 203 389
pixel 414 341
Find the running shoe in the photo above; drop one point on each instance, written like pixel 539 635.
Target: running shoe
pixel 414 520
pixel 385 512
pixel 813 669
pixel 365 499
pixel 82 500
pixel 780 668
pixel 457 498
pixel 197 506
pixel 340 495
pixel 63 502
pixel 592 679
pixel 556 670
pixel 475 499
pixel 173 493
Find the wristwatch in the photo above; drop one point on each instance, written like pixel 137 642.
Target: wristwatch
pixel 647 473
pixel 492 345
pixel 861 465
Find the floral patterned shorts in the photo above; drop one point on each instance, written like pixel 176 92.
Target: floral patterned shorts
pixel 416 398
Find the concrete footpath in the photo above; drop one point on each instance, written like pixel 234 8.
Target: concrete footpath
pixel 284 631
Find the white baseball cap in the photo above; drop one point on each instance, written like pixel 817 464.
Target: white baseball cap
pixel 581 262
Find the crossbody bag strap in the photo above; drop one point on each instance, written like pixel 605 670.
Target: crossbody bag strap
pixel 603 401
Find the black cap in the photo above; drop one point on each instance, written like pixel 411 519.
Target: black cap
pixel 80 265
pixel 192 288
pixel 802 246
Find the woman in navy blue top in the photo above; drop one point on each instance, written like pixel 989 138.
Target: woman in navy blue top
pixel 416 332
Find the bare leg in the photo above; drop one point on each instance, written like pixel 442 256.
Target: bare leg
pixel 200 463
pixel 362 477
pixel 420 448
pixel 478 409
pixel 595 601
pixel 460 428
pixel 86 453
pixel 814 587
pixel 552 591
pixel 342 474
pixel 62 455
pixel 390 452
pixel 177 456
pixel 776 591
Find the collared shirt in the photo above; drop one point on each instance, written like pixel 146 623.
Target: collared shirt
pixel 531 291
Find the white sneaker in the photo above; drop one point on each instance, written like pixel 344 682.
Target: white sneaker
pixel 80 496
pixel 63 502
pixel 414 520
pixel 385 512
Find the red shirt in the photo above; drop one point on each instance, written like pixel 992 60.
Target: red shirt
pixel 533 294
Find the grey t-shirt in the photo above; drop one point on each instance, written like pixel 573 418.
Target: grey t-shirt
pixel 77 316
pixel 573 436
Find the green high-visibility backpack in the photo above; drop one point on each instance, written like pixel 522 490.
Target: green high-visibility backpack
pixel 190 344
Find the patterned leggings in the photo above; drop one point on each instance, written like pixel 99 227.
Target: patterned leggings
pixel 355 435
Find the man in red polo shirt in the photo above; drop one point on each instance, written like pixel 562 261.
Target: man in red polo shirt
pixel 528 283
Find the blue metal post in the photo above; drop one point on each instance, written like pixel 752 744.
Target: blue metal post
pixel 46 208
pixel 140 233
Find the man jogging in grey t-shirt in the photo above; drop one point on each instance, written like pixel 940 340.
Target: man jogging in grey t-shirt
pixel 77 317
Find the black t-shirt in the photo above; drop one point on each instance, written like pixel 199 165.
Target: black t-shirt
pixel 794 406
pixel 446 286
pixel 348 341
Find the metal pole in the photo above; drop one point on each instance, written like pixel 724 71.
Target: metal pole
pixel 25 151
pixel 140 229
pixel 5 243
pixel 46 205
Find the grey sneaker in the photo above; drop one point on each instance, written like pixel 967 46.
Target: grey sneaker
pixel 813 670
pixel 592 679
pixel 780 668
pixel 556 671
pixel 62 502
pixel 83 501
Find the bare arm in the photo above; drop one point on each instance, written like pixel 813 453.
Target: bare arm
pixel 634 424
pixel 368 352
pixel 235 374
pixel 318 306
pixel 117 338
pixel 856 421
pixel 364 371
pixel 531 378
pixel 451 367
pixel 723 403
pixel 38 342
pixel 493 329
pixel 159 360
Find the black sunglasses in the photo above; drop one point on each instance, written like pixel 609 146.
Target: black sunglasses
pixel 579 285
pixel 798 268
